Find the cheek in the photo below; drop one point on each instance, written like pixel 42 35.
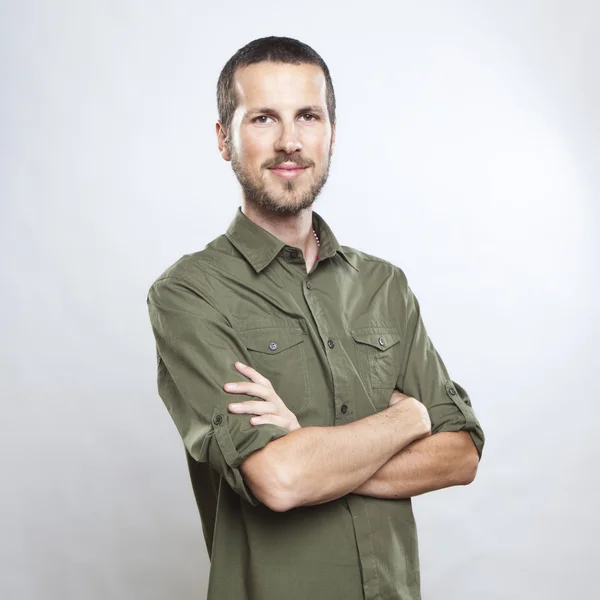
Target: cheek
pixel 257 142
pixel 321 146
pixel 255 151
pixel 324 154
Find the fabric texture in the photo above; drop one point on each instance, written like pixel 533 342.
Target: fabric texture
pixel 334 343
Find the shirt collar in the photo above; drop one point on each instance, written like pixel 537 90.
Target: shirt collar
pixel 260 247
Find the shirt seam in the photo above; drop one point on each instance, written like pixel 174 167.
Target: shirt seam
pixel 201 292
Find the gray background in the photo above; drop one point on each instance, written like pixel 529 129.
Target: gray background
pixel 468 153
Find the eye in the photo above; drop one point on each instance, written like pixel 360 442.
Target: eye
pixel 310 117
pixel 257 119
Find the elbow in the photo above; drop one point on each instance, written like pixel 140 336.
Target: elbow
pixel 282 496
pixel 469 466
pixel 279 503
pixel 271 481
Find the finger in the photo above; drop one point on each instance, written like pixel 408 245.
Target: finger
pixel 272 419
pixel 253 407
pixel 249 388
pixel 252 374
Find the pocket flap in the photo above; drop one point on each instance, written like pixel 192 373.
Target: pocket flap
pixel 271 341
pixel 381 338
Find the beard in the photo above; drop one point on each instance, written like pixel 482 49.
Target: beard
pixel 289 201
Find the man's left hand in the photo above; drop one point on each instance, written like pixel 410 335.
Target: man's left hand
pixel 271 409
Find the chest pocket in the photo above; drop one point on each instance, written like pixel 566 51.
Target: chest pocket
pixel 379 355
pixel 279 354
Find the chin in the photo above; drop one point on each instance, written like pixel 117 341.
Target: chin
pixel 291 205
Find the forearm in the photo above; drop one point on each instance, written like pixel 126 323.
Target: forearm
pixel 320 464
pixel 438 461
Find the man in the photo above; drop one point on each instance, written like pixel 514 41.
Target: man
pixel 303 473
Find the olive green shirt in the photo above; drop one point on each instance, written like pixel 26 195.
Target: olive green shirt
pixel 334 343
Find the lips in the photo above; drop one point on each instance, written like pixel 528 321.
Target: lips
pixel 288 171
pixel 288 167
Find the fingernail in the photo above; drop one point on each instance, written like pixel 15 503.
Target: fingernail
pixel 239 364
pixel 234 406
pixel 231 386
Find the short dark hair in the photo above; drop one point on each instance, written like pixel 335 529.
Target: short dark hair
pixel 274 49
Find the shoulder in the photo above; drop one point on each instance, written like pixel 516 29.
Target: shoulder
pixel 370 265
pixel 195 270
pixel 197 266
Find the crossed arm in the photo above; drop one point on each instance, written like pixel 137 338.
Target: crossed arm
pixel 318 464
pixel 442 460
pixel 390 454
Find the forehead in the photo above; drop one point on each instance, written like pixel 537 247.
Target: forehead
pixel 279 85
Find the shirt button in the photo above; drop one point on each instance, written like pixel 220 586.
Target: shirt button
pixel 381 342
pixel 308 284
pixel 272 345
pixel 218 419
pixel 452 392
pixel 344 408
pixel 294 253
pixel 331 343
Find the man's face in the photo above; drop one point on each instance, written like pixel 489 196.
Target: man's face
pixel 280 121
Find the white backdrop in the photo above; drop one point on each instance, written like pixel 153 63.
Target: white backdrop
pixel 468 153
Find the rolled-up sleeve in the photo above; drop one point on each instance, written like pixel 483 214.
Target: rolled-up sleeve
pixel 196 351
pixel 426 378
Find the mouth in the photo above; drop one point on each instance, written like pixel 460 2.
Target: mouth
pixel 288 172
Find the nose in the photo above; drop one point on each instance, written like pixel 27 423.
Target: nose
pixel 288 141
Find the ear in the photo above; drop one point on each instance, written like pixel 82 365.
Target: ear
pixel 223 141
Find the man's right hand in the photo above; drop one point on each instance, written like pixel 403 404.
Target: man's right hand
pixel 412 412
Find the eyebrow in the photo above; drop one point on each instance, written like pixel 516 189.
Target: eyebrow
pixel 265 110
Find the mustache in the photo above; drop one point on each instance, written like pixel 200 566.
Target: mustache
pixel 287 159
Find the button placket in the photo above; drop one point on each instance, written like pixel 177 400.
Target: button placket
pixel 337 360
